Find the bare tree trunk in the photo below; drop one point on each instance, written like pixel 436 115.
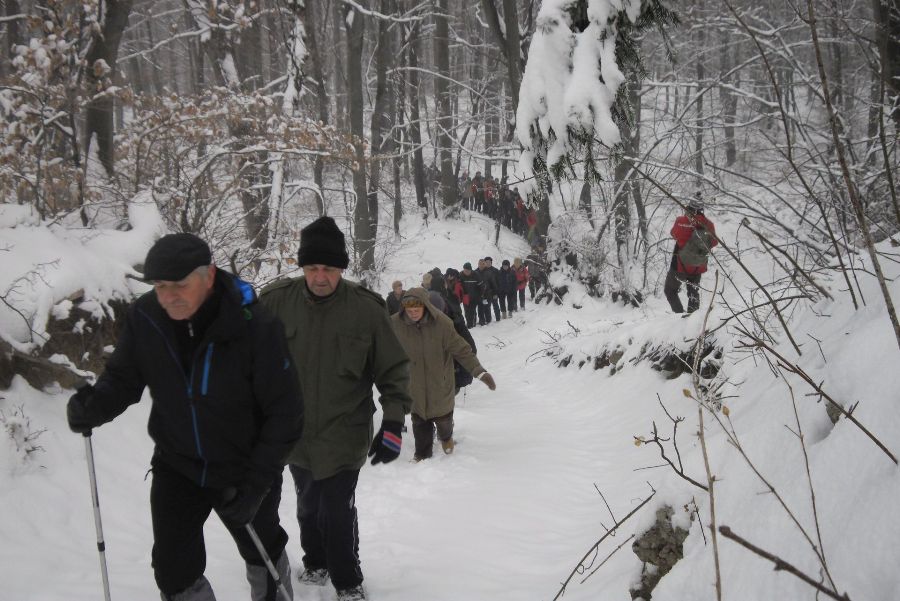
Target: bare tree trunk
pixel 441 47
pixel 632 141
pixel 415 120
pixel 727 98
pixel 249 50
pixel 364 233
pixel 104 48
pixel 701 76
pixel 509 42
pixel 13 37
pixel 584 202
pixel 315 59
pixel 887 34
pixel 265 44
pixel 339 78
pixel 381 113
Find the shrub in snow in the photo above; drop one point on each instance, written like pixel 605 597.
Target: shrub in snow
pixel 22 437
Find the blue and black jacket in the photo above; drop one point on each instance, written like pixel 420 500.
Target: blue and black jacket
pixel 227 408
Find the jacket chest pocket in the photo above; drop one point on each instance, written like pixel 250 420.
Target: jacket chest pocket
pixel 353 354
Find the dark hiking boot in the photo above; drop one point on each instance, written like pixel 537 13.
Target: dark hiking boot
pixel 448 446
pixel 313 576
pixel 355 593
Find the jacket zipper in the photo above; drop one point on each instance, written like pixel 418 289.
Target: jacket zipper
pixel 189 383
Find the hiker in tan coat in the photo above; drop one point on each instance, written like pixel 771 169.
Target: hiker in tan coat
pixel 431 342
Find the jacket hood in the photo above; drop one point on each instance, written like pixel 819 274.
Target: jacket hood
pixel 240 291
pixel 422 296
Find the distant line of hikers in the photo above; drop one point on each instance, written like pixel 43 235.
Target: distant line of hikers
pixel 480 296
pixel 498 201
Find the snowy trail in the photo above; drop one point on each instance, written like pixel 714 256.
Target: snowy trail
pixel 519 489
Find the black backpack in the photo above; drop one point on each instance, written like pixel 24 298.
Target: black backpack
pixel 461 377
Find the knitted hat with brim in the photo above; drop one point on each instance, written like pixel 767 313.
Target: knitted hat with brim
pixel 174 256
pixel 322 243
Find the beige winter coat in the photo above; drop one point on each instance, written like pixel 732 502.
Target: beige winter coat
pixel 432 344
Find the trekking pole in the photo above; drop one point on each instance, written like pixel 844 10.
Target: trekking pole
pixel 101 546
pixel 265 556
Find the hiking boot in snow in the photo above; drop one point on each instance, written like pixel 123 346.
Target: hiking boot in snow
pixel 448 446
pixel 503 315
pixel 261 584
pixel 352 594
pixel 313 576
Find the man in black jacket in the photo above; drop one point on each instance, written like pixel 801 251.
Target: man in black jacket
pixel 226 409
pixel 472 288
pixel 490 275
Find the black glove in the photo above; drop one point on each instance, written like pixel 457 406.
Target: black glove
pixel 386 445
pixel 240 504
pixel 77 411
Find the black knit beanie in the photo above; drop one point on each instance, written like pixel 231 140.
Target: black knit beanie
pixel 322 243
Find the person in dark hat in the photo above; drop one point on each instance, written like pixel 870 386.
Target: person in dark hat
pixel 472 287
pixel 506 284
pixel 454 289
pixel 226 409
pixel 490 277
pixel 343 344
pixel 695 236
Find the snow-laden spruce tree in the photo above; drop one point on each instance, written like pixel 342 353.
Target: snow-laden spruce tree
pixel 573 107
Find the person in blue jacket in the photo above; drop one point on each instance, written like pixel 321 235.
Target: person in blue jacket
pixel 226 410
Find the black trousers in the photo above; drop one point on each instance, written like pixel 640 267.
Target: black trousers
pixel 511 301
pixel 423 432
pixel 329 531
pixel 484 312
pixel 470 314
pixel 673 285
pixel 179 508
pixel 496 305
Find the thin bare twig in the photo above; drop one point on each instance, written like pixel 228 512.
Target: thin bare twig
pixel 710 478
pixel 613 552
pixel 597 544
pixel 812 490
pixel 781 564
pixel 793 368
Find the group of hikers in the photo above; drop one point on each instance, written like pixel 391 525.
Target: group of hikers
pixel 499 202
pixel 242 385
pixel 482 295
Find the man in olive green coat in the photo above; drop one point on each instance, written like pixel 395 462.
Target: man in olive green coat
pixel 342 343
pixel 431 341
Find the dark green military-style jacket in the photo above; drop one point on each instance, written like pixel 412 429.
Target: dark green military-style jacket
pixel 342 345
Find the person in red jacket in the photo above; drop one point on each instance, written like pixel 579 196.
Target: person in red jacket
pixel 694 236
pixel 522 277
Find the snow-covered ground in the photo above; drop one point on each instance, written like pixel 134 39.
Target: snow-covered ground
pixel 510 514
